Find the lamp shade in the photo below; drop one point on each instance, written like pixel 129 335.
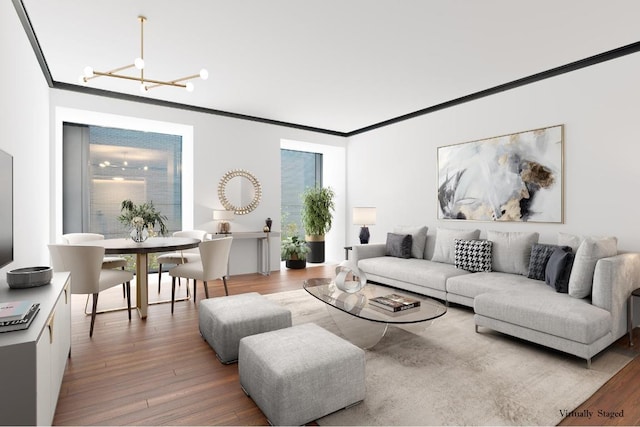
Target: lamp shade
pixel 222 215
pixel 364 216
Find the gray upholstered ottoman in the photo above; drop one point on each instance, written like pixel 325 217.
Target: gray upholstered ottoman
pixel 299 374
pixel 225 320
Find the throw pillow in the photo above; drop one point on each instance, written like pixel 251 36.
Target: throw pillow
pixel 589 252
pixel 418 236
pixel 473 255
pixel 512 251
pixel 571 240
pixel 540 254
pixel 558 269
pixel 398 245
pixel 445 247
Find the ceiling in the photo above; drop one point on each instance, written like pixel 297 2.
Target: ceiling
pixel 336 65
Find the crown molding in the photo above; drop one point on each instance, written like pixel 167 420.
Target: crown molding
pixel 563 69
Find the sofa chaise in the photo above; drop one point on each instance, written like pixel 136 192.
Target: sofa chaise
pixel 571 296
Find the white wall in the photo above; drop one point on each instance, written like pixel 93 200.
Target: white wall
pixel 219 145
pixel 24 120
pixel 394 168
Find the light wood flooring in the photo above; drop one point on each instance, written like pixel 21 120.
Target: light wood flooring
pixel 159 371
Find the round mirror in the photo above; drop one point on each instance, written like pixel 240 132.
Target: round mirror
pixel 239 191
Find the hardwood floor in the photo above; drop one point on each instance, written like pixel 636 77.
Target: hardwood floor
pixel 159 371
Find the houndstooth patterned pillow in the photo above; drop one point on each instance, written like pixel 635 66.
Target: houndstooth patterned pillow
pixel 473 255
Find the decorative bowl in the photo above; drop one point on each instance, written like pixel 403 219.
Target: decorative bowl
pixel 29 277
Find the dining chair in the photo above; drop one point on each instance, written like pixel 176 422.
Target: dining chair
pixel 213 265
pixel 181 257
pixel 87 275
pixel 107 261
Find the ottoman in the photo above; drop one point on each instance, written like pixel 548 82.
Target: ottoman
pixel 224 321
pixel 299 374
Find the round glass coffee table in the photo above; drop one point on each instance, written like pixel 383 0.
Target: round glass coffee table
pixel 364 323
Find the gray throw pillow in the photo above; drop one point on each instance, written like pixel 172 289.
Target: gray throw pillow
pixel 589 252
pixel 398 245
pixel 558 269
pixel 445 248
pixel 540 254
pixel 418 236
pixel 473 255
pixel 512 251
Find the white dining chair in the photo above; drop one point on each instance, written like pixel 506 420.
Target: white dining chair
pixel 181 257
pixel 87 275
pixel 107 261
pixel 214 259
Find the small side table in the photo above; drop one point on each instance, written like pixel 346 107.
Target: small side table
pixel 346 251
pixel 635 293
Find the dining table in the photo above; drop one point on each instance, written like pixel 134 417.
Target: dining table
pixel 141 250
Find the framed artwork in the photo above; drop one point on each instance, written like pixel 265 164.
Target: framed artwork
pixel 517 177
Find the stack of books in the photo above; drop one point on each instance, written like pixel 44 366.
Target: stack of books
pixel 17 315
pixel 394 302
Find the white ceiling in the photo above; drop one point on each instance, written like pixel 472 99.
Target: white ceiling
pixel 339 65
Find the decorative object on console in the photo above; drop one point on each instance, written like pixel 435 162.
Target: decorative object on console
pixel 22 323
pixel 239 191
pixel 142 219
pixel 350 286
pixel 268 222
pixel 515 177
pixel 29 277
pixel 398 245
pixel 364 217
pixel 473 255
pixel 145 82
pixel 317 205
pixel 223 217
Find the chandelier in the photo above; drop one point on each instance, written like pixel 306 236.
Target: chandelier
pixel 138 63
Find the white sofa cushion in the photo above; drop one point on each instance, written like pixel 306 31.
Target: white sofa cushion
pixel 512 251
pixel 472 285
pixel 589 252
pixel 419 236
pixel 419 272
pixel 445 248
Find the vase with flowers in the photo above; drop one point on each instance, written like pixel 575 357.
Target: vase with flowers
pixel 141 220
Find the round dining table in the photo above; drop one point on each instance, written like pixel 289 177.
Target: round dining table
pixel 141 250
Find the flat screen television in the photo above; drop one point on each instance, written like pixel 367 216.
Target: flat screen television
pixel 6 208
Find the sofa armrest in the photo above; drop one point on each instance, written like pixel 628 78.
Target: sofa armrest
pixel 613 281
pixel 372 250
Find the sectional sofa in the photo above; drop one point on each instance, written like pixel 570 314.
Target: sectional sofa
pixel 571 295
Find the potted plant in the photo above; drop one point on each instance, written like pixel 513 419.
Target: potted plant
pixel 317 205
pixel 294 252
pixel 142 220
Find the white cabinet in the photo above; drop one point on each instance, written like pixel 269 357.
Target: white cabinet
pixel 33 361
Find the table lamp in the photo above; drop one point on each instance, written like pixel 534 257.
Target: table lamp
pixel 224 227
pixel 364 217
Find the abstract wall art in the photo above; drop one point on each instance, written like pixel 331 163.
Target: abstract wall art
pixel 515 177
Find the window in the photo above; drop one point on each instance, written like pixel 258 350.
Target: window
pixel 299 171
pixel 103 166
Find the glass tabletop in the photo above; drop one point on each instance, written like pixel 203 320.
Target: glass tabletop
pixel 359 304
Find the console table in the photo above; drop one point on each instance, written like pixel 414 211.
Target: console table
pixel 34 359
pixel 264 247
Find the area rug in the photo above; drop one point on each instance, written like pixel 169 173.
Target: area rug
pixel 447 374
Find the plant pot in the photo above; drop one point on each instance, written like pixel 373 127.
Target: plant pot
pixel 295 264
pixel 316 246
